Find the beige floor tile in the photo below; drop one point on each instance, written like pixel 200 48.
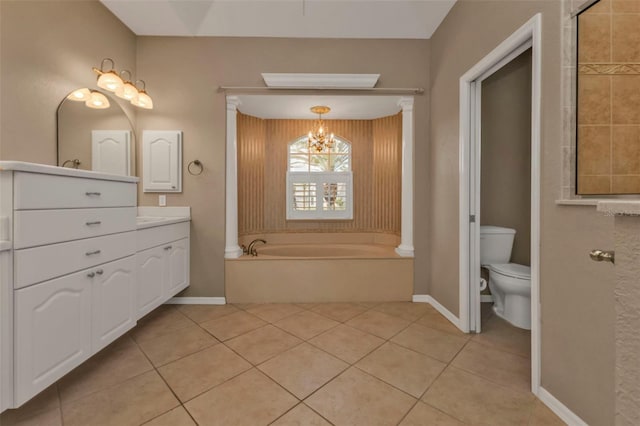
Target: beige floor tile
pixel 378 324
pixel 356 398
pixel 259 345
pixel 202 313
pixel 248 399
pixel 199 372
pixel 500 334
pixel 273 312
pixel 41 418
pixel 303 369
pixel 233 325
pixel 498 366
pixel 176 417
pixel 346 343
pixel 130 403
pixel 307 306
pixel 423 414
pixel 172 346
pixel 478 401
pixel 47 400
pixel 306 324
pixel 403 368
pixel 164 320
pixel 434 319
pixel 406 310
pixel 118 362
pixel 339 311
pixel 543 416
pixel 301 415
pixel 435 343
pixel 369 305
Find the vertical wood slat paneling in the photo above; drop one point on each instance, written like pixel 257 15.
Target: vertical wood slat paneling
pixel 376 165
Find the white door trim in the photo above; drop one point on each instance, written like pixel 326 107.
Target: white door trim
pixel 528 33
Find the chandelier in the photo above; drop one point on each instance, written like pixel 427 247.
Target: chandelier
pixel 319 138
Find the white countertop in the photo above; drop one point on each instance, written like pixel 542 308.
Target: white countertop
pixel 143 222
pixel 21 166
pixel 5 245
pixel 620 207
pixel 148 217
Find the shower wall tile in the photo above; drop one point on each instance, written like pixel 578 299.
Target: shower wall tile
pixel 625 6
pixel 625 99
pixel 626 38
pixel 626 150
pixel 594 95
pixel 594 184
pixel 594 33
pixel 594 153
pixel 625 184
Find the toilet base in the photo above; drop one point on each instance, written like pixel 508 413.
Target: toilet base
pixel 517 313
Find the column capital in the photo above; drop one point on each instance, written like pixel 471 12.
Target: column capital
pixel 406 103
pixel 233 102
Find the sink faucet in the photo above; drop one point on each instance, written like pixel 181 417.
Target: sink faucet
pixel 251 249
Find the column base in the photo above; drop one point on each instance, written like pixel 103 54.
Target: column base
pixel 404 250
pixel 232 252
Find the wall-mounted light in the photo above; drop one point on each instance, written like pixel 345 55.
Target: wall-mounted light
pixel 128 90
pixel 97 101
pixel 143 100
pixel 108 80
pixel 82 94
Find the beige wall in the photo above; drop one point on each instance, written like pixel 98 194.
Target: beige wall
pixel 576 293
pixel 183 75
pixel 376 160
pixel 47 49
pixel 505 182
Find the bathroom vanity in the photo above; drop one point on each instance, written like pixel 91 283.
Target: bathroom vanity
pixel 74 270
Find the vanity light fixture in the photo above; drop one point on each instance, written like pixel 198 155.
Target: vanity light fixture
pixel 128 90
pixel 143 100
pixel 319 138
pixel 108 80
pixel 97 101
pixel 80 95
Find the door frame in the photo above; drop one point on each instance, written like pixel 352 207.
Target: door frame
pixel 529 35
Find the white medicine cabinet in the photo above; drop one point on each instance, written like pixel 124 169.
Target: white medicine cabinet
pixel 162 161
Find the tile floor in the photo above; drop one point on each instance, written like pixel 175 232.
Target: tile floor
pixel 298 364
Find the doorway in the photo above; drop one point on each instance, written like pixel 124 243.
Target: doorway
pixel 525 38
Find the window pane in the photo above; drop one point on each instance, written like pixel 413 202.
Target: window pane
pixel 319 163
pixel 301 145
pixel 298 162
pixel 340 163
pixel 304 196
pixel 334 196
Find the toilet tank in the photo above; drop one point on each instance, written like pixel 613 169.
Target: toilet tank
pixel 495 244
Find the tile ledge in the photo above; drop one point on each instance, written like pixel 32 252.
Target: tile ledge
pixel 579 202
pixel 620 207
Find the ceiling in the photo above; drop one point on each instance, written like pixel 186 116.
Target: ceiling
pixel 297 106
pixel 414 19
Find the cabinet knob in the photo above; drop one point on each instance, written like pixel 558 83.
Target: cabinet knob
pixel 89 194
pixel 91 253
pixel 99 272
pixel 91 274
pixel 168 247
pixel 95 222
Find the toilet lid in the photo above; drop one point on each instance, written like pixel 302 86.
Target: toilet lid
pixel 513 270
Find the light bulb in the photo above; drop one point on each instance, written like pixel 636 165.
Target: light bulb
pixel 109 81
pixel 143 100
pixel 97 101
pixel 80 95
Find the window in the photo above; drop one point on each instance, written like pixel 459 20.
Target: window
pixel 319 184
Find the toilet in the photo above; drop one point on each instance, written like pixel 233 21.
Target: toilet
pixel 510 283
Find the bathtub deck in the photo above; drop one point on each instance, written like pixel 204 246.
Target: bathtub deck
pixel 318 280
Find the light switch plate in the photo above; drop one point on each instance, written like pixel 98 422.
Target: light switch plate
pixel 162 200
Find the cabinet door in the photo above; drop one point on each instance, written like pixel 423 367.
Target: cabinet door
pixel 113 301
pixel 162 161
pixel 52 332
pixel 178 276
pixel 110 151
pixel 152 273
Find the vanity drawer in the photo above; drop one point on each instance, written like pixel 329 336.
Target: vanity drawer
pixel 39 227
pixel 40 191
pixel 55 260
pixel 151 237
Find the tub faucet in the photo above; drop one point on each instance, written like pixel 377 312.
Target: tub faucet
pixel 251 249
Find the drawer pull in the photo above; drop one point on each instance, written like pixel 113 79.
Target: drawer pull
pixel 91 274
pixel 91 253
pixel 89 194
pixel 168 248
pixel 97 222
pixel 99 272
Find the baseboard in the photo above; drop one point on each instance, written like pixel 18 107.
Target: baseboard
pixel 197 301
pixel 561 410
pixel 425 298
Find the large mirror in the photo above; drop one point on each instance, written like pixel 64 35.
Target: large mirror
pixel 608 98
pixel 95 139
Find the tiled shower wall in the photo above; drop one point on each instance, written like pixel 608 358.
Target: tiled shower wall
pixel 608 133
pixel 262 165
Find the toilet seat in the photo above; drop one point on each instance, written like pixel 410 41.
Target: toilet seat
pixel 512 270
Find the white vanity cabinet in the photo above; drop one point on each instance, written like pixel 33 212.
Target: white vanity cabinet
pixel 163 264
pixel 72 286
